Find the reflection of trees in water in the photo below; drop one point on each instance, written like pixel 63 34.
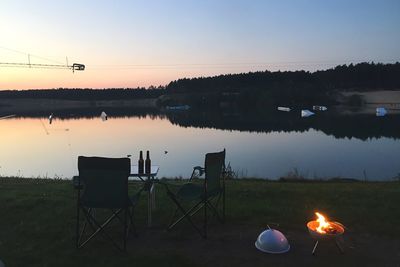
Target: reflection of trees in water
pixel 339 126
pixel 93 113
pixel 349 126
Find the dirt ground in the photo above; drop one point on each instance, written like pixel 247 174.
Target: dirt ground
pixel 233 245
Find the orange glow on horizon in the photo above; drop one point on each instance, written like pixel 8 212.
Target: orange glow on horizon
pixel 98 77
pixel 20 79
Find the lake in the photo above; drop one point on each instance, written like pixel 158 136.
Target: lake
pixel 269 145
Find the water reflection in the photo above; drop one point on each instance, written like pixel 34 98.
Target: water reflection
pixel 340 126
pixel 268 145
pixel 360 126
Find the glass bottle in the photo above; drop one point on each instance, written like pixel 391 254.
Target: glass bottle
pixel 141 163
pixel 147 163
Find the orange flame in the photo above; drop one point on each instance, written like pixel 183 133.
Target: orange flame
pixel 323 224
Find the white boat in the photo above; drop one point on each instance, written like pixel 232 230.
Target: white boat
pixel 103 116
pixel 320 108
pixel 306 113
pixel 284 109
pixel 182 107
pixel 380 112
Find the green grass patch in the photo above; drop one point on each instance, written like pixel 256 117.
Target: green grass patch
pixel 38 216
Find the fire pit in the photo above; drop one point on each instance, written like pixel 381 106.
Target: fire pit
pixel 321 229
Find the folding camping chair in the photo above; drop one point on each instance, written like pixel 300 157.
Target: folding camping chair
pixel 103 185
pixel 205 195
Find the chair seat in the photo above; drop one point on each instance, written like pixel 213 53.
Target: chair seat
pixel 203 194
pixel 190 191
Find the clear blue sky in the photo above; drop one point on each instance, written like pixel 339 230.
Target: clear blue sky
pixel 139 43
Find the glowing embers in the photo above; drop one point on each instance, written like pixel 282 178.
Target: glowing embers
pixel 322 229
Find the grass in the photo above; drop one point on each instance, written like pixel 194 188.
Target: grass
pixel 37 223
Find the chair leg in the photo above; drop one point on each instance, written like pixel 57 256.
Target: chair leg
pixel 116 213
pixel 89 220
pixel 171 221
pixel 132 223
pixel 90 210
pixel 186 214
pixel 214 209
pixel 223 204
pixel 125 227
pixel 100 228
pixel 77 225
pixel 97 227
pixel 205 218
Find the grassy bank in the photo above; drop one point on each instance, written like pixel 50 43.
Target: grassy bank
pixel 37 226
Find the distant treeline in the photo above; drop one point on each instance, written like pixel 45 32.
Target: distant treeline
pixel 86 94
pixel 263 88
pixel 363 76
pixel 247 90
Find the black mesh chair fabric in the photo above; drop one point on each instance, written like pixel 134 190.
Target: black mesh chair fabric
pixel 206 195
pixel 103 184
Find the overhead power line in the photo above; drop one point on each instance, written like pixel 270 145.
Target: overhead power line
pixel 31 55
pixel 73 67
pixel 266 65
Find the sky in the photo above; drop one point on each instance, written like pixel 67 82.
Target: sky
pixel 141 43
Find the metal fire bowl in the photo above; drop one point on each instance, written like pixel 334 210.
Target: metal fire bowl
pixel 312 226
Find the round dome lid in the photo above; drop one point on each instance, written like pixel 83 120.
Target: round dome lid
pixel 272 241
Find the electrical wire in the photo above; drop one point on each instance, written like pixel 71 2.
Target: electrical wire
pixel 166 66
pixel 31 55
pixel 33 65
pixel 283 64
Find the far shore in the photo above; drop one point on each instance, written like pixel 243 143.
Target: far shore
pixel 371 100
pixel 284 179
pixel 11 106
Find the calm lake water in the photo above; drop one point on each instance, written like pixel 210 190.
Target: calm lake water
pixel 267 146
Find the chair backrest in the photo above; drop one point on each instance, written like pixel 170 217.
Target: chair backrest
pixel 105 181
pixel 214 166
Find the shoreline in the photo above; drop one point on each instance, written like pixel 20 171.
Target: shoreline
pixel 16 105
pixel 370 101
pixel 248 179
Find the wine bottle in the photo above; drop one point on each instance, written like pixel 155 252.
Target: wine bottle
pixel 141 163
pixel 147 164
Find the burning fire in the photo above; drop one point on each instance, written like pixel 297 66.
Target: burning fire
pixel 322 228
pixel 323 224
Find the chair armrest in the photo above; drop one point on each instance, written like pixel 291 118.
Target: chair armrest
pixel 197 172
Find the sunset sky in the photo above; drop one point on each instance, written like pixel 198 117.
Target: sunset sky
pixel 143 43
